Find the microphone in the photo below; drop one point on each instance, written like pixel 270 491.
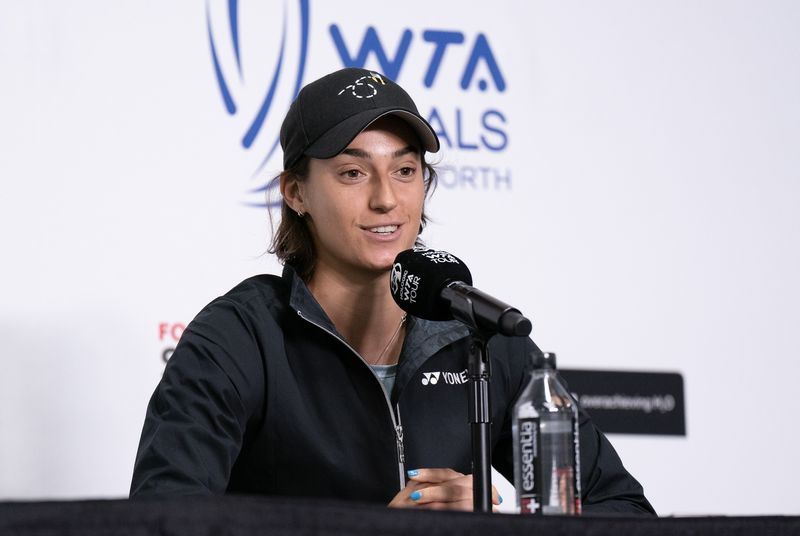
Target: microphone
pixel 437 285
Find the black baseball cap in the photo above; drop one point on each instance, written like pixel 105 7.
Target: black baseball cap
pixel 328 113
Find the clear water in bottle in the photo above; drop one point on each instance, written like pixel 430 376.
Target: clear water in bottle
pixel 546 450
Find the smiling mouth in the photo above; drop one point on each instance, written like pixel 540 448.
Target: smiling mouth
pixel 384 229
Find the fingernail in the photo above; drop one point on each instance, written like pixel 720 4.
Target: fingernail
pixel 412 472
pixel 501 498
pixel 415 496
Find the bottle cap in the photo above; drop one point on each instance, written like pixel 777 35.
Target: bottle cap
pixel 546 360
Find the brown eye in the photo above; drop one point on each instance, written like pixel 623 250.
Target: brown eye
pixel 407 171
pixel 351 174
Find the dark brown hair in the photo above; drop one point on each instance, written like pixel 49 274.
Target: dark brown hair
pixel 292 242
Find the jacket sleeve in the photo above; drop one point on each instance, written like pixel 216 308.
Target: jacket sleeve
pixel 606 486
pixel 194 426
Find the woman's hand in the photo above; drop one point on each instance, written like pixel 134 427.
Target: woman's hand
pixel 438 489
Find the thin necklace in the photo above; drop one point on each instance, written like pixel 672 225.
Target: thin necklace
pixel 394 336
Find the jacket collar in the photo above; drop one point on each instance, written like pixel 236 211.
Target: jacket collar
pixel 303 302
pixel 423 337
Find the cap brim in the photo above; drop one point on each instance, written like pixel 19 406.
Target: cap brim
pixel 339 137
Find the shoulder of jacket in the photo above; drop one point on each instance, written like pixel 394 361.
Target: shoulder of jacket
pixel 255 295
pixel 263 285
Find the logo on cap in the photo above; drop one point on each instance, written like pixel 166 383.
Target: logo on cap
pixel 364 90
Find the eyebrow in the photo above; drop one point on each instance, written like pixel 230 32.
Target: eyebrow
pixel 360 153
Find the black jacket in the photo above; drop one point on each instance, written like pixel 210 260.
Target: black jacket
pixel 262 395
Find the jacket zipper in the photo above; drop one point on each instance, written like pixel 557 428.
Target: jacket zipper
pixel 396 422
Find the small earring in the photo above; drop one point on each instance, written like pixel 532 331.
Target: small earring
pixel 300 213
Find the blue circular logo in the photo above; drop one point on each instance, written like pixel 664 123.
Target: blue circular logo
pixel 284 74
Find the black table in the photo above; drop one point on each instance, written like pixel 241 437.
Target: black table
pixel 241 516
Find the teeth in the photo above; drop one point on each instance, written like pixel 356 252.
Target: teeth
pixel 386 229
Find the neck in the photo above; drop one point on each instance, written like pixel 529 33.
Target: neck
pixel 363 311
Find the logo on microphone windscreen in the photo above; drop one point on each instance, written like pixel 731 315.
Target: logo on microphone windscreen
pixel 397 272
pixel 436 256
pixel 405 285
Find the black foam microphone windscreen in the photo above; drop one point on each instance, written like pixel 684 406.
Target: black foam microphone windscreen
pixel 418 277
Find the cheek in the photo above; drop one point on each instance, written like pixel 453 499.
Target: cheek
pixel 417 201
pixel 330 223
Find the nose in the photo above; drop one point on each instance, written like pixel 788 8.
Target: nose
pixel 383 198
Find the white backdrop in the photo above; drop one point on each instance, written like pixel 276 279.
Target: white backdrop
pixel 641 208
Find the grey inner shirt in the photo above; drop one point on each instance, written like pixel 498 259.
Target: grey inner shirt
pixel 386 374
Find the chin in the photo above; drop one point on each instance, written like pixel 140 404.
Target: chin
pixel 380 260
pixel 384 263
pixel 383 267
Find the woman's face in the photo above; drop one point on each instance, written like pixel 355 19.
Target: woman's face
pixel 364 206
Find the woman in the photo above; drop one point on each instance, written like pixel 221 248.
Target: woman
pixel 313 383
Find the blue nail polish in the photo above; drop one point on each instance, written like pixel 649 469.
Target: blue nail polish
pixel 415 496
pixel 501 498
pixel 412 472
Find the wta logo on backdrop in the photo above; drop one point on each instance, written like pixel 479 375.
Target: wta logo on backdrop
pixel 460 74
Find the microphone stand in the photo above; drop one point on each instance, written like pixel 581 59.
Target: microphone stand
pixel 479 374
pixel 480 419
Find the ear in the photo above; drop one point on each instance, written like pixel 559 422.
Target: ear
pixel 292 191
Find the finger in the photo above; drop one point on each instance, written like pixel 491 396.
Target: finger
pixel 496 498
pixel 402 500
pixel 448 493
pixel 433 475
pixel 463 506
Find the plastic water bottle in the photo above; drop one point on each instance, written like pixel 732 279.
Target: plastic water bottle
pixel 546 456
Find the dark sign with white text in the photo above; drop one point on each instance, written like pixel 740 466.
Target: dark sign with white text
pixel 649 403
